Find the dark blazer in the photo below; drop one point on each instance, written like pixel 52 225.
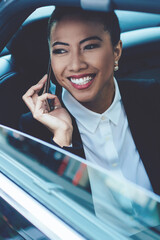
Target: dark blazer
pixel 141 101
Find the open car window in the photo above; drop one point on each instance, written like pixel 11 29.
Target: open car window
pixel 89 199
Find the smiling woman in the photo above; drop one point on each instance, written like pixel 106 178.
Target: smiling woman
pixel 85 62
pixel 94 117
pixel 79 65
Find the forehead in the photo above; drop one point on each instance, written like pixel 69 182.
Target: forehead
pixel 74 27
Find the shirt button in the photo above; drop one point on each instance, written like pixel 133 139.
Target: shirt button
pixel 103 117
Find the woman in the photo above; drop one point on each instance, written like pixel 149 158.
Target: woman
pixel 90 119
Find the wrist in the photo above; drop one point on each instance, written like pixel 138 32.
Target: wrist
pixel 63 137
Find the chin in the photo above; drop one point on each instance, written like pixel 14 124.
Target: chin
pixel 84 100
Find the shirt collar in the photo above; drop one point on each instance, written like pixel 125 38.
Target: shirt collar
pixel 113 112
pixel 89 119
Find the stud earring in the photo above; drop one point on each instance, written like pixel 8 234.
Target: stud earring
pixel 116 66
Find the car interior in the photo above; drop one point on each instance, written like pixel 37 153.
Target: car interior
pixel 24 60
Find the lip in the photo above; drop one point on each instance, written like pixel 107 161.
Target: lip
pixel 84 86
pixel 81 75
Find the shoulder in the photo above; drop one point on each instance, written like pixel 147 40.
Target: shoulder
pixel 144 89
pixel 141 97
pixel 142 84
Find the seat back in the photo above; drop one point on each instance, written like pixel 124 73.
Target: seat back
pixel 22 68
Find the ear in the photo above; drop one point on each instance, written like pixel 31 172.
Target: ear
pixel 118 51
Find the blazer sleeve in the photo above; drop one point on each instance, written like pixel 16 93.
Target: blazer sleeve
pixel 34 128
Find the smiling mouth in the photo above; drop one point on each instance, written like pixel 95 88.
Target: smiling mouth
pixel 82 80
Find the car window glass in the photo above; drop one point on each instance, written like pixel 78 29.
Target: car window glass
pixel 78 192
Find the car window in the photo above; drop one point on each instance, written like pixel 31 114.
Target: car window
pixel 89 199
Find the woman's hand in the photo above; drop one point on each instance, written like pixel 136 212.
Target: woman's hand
pixel 58 121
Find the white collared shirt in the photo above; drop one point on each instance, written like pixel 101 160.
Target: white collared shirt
pixel 107 139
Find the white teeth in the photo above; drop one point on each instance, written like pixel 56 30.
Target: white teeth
pixel 81 81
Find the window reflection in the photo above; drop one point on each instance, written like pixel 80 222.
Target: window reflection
pixel 104 203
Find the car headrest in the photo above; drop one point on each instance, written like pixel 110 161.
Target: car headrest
pixel 29 47
pixel 140 50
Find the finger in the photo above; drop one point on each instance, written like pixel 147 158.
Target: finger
pixel 56 103
pixel 43 79
pixel 36 88
pixel 29 101
pixel 46 96
pixel 30 96
pixel 33 90
pixel 42 104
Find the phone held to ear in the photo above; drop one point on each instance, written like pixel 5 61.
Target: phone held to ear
pixel 50 103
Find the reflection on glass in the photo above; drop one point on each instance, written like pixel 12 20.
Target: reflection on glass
pixel 88 198
pixel 121 205
pixel 36 152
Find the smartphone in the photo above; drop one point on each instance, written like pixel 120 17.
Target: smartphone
pixel 50 103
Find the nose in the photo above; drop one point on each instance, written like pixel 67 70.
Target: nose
pixel 77 62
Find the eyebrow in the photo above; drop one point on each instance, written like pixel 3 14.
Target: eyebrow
pixel 90 38
pixel 59 43
pixel 82 41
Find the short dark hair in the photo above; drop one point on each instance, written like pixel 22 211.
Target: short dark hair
pixel 108 19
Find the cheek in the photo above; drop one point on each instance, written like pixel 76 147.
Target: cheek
pixel 103 60
pixel 57 69
pixel 58 65
pixel 108 63
pixel 108 68
pixel 108 58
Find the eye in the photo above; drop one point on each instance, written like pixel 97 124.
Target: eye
pixel 59 51
pixel 91 46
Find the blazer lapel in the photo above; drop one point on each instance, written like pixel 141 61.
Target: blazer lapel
pixel 143 126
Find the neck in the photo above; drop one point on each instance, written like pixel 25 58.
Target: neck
pixel 101 103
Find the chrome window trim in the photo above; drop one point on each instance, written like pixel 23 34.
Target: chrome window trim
pixel 36 213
